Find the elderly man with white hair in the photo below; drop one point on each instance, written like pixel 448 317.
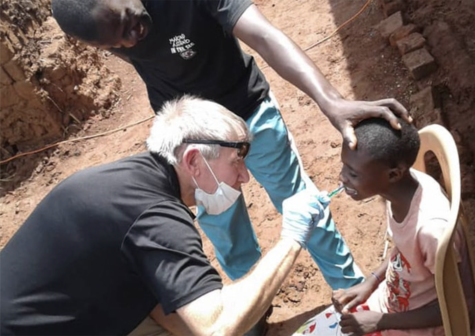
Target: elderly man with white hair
pixel 113 243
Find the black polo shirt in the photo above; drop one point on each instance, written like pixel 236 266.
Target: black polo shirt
pixel 100 251
pixel 191 49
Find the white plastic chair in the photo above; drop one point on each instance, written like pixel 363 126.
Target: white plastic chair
pixel 455 316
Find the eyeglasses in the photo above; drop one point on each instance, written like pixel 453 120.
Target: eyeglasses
pixel 243 147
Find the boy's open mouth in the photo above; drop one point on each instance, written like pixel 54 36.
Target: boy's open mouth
pixel 350 191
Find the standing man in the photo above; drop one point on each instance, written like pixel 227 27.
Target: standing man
pixel 113 242
pixel 191 46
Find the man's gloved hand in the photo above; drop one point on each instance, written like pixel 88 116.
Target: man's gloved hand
pixel 301 214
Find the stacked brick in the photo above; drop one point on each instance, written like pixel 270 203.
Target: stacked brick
pixel 42 89
pixel 407 39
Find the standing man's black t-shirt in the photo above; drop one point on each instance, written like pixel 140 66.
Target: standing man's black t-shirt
pixel 100 251
pixel 191 49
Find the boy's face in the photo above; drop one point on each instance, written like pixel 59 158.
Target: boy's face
pixel 361 175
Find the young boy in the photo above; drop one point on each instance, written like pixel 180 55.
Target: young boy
pixel 401 293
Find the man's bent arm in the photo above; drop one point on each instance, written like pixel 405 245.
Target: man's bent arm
pixel 284 56
pixel 237 307
pixel 292 64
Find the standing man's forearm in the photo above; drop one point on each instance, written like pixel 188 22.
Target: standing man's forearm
pixel 285 57
pixel 292 64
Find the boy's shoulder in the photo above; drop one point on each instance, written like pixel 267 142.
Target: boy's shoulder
pixel 433 202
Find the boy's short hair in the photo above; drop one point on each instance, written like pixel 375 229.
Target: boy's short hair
pixel 387 145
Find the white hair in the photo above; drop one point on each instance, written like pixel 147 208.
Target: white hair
pixel 192 118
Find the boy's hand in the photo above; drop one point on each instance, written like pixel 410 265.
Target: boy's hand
pixel 345 299
pixel 360 323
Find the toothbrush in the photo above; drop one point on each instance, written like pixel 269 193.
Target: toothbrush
pixel 336 191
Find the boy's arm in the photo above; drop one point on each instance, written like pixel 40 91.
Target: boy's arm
pixel 380 272
pixel 361 323
pixel 345 299
pixel 427 316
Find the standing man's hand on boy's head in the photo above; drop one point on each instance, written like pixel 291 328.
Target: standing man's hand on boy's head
pixel 346 114
pixel 360 323
pixel 293 65
pixel 346 299
pixel 301 213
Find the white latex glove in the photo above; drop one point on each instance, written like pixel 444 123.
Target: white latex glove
pixel 301 214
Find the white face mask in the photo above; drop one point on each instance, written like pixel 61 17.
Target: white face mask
pixel 218 202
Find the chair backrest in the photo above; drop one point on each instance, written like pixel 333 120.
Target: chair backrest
pixel 455 315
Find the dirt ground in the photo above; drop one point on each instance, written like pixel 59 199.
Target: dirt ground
pixel 358 62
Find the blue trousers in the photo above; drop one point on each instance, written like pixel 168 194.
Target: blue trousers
pixel 275 163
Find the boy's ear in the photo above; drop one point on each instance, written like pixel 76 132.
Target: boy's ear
pixel 396 173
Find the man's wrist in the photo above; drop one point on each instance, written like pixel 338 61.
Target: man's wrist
pixel 327 103
pixel 292 242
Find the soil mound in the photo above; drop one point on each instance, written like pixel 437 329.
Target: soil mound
pixel 47 81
